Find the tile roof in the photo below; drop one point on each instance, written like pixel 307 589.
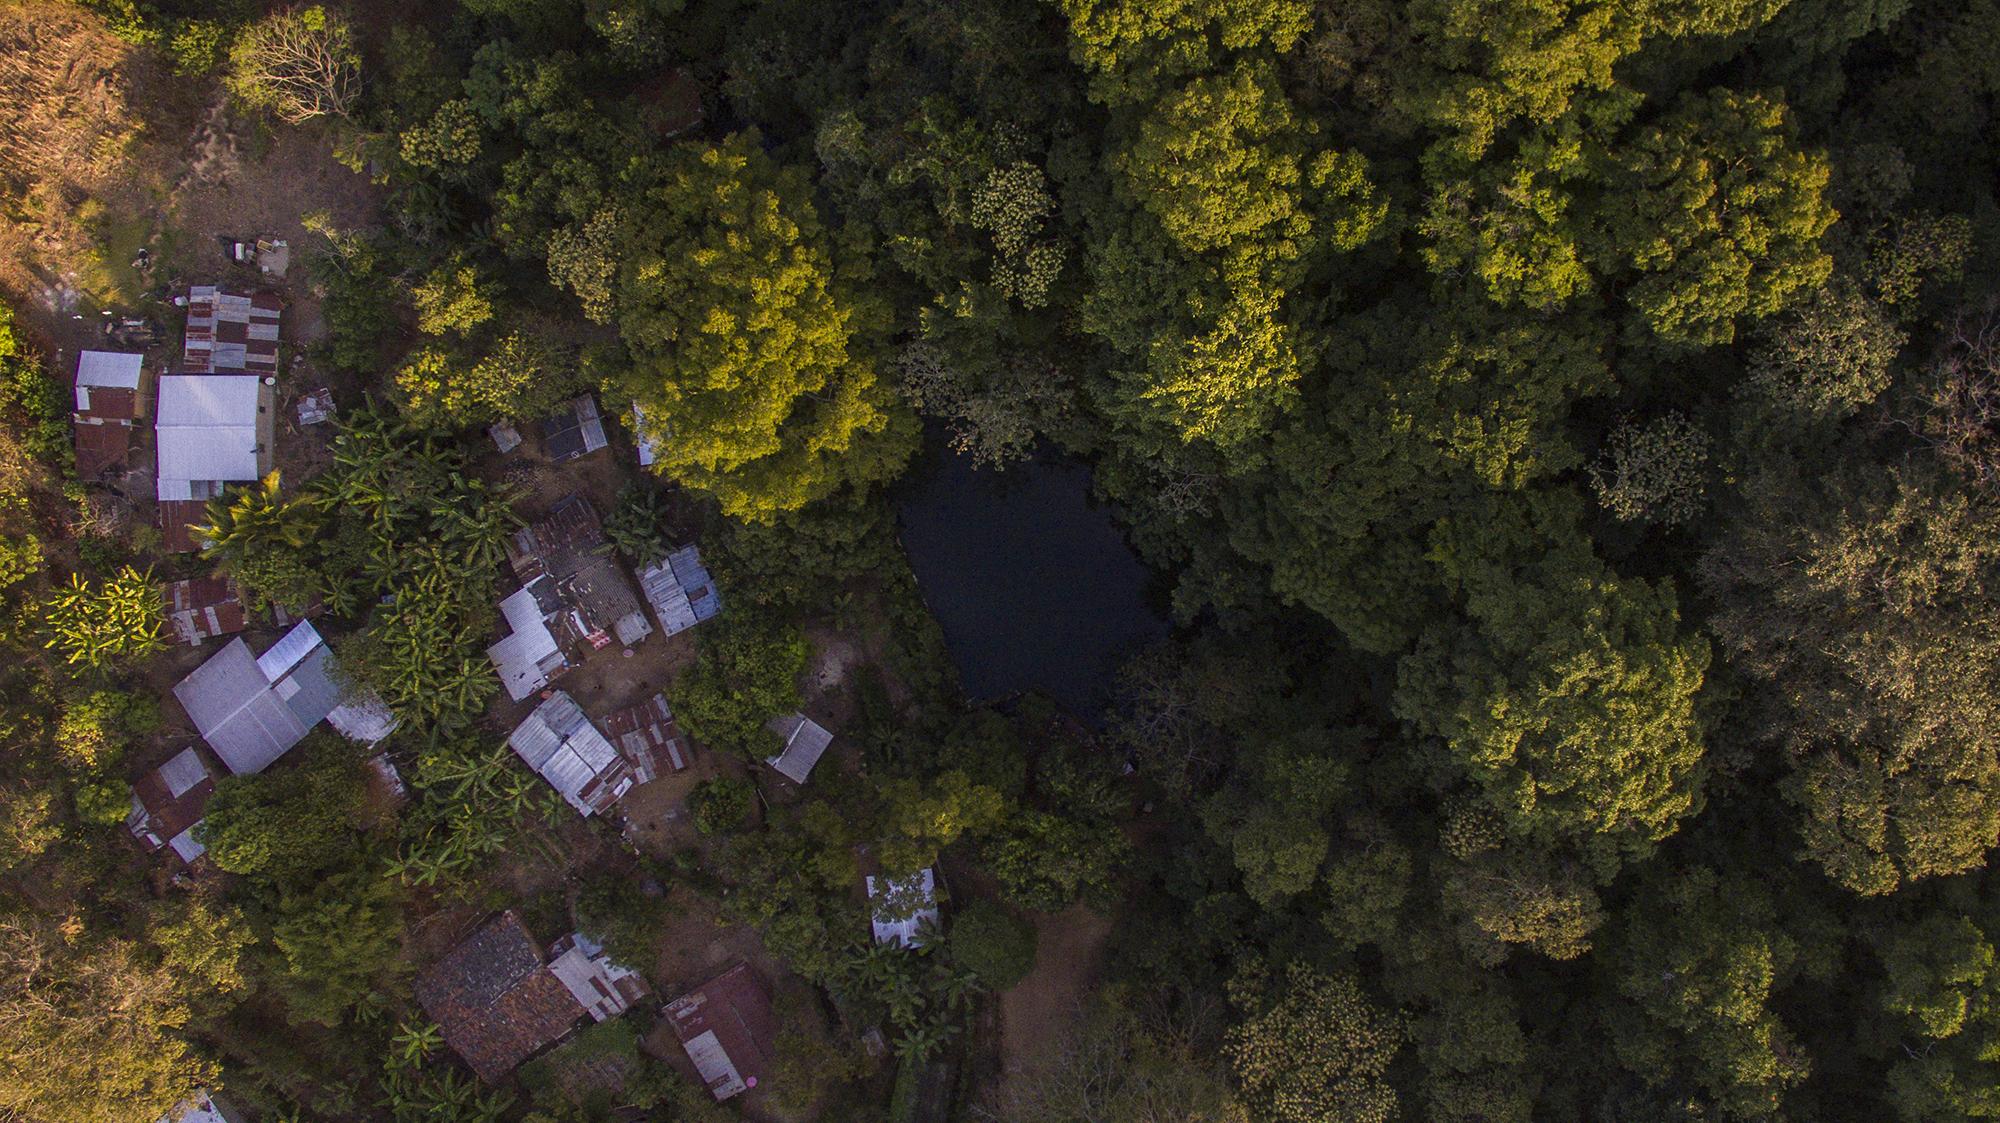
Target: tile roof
pixel 728 1030
pixel 494 1000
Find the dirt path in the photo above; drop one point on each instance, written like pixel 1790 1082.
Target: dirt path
pixel 1069 951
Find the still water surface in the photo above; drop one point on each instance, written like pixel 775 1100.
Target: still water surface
pixel 1033 584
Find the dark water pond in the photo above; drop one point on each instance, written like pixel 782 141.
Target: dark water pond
pixel 1033 584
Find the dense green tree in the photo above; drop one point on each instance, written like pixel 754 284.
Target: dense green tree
pixel 746 356
pixel 748 673
pixel 1312 1046
pixel 1721 215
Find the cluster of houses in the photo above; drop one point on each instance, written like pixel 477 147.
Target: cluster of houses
pixel 500 996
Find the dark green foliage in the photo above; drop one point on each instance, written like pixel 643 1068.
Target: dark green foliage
pixel 287 825
pixel 748 674
pixel 722 805
pixel 992 943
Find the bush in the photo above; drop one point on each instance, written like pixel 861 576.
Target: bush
pixel 721 805
pixel 993 944
pixel 104 802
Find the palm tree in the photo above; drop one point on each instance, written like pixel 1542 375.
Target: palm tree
pixel 253 517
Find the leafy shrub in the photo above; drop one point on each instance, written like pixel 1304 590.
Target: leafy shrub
pixel 722 805
pixel 993 944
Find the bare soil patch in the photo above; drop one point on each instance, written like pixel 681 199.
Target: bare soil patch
pixel 1035 1014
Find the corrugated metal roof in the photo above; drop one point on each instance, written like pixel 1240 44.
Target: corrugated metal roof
pixel 647 440
pixel 207 427
pixel 805 741
pixel 114 369
pixel 576 431
pixel 558 741
pixel 229 331
pixel 902 907
pixel 663 591
pixel 290 648
pixel 183 772
pixel 702 594
pixel 727 1028
pixel 250 710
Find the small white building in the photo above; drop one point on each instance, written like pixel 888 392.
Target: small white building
pixel 900 909
pixel 603 987
pixel 805 741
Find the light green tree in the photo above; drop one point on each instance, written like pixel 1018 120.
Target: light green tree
pixel 745 354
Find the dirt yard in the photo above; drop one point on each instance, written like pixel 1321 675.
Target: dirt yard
pixel 104 153
pixel 1069 952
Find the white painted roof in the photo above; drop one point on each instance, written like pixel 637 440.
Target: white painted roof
pixel 528 653
pixel 290 648
pixel 183 772
pixel 207 427
pixel 901 907
pixel 113 369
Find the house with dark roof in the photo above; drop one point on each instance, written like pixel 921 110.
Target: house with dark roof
pixel 230 331
pixel 576 430
pixel 647 735
pixel 203 608
pixel 728 1030
pixel 805 741
pixel 561 744
pixel 109 399
pixel 680 590
pixel 168 803
pixel 251 709
pixel 495 1000
pixel 212 430
pixel 594 600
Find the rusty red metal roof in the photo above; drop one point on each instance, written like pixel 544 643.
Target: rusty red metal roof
pixel 100 446
pixel 728 1030
pixel 203 608
pixel 177 519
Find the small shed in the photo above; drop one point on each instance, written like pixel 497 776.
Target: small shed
pixel 648 440
pixel 168 803
pixel 805 741
pixel 727 1027
pixel 202 608
pixel 558 741
pixel 230 331
pixel 680 590
pixel 317 408
pixel 577 430
pixel 601 986
pixel 494 1000
pixel 202 1107
pixel 901 909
